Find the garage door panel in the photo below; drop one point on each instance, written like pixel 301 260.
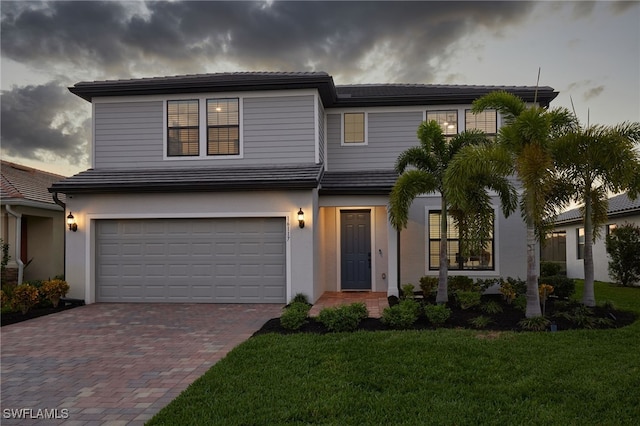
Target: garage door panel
pixel 191 260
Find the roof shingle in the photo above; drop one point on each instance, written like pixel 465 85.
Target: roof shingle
pixel 27 183
pixel 619 205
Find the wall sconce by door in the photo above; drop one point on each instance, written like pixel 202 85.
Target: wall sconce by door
pixel 300 218
pixel 71 221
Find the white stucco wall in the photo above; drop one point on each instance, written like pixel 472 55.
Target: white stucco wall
pixel 80 249
pixel 575 266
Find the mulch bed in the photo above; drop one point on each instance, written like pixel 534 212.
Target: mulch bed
pixel 8 318
pixel 507 320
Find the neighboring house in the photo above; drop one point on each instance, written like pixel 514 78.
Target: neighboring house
pixel 197 181
pixel 569 227
pixel 33 225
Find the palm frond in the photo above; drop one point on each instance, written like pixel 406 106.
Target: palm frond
pixel 508 104
pixel 408 186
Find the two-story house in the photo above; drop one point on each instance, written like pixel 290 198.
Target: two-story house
pixel 253 187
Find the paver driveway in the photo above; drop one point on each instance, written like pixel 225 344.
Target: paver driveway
pixel 116 364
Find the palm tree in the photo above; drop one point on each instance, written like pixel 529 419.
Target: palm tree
pixel 422 170
pixel 523 150
pixel 597 160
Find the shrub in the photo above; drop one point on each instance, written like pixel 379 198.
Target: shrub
pixel 544 290
pixel 25 297
pixel 623 247
pixel 519 286
pixel 392 300
pixel 468 299
pixel 295 315
pixel 437 314
pixel 4 299
pixel 507 291
pixel 563 287
pixel 301 298
pixel 491 307
pixel 480 321
pixel 402 315
pixel 407 291
pixel 54 290
pixel 534 323
pixel 460 282
pixel 548 269
pixel 427 285
pixel 520 302
pixel 343 318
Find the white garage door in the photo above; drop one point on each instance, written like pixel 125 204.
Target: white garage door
pixel 239 260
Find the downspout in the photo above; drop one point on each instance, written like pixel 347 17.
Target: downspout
pixel 18 248
pixel 398 262
pixel 64 235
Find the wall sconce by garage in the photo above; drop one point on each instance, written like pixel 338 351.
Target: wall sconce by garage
pixel 71 221
pixel 300 218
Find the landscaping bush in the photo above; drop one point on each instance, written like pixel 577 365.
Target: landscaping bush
pixel 437 314
pixel 343 318
pixel 300 297
pixel 24 297
pixel 520 286
pixel 623 247
pixel 563 287
pixel 428 285
pixel 549 269
pixel 508 292
pixel 401 316
pixel 491 307
pixel 468 299
pixel 520 302
pixel 480 321
pixel 4 299
pixel 407 291
pixel 460 282
pixel 54 290
pixel 535 323
pixel 295 315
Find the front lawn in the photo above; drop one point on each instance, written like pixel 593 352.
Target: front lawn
pixel 425 377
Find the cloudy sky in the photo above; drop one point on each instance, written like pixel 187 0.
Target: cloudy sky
pixel 589 51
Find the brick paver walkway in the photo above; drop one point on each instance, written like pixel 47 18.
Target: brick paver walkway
pixel 116 364
pixel 375 301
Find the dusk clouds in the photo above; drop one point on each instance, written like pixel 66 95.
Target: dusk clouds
pixel 48 46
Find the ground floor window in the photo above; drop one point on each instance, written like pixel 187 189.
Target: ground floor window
pixel 580 240
pixel 482 259
pixel 554 248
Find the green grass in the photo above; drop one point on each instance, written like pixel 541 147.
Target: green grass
pixel 424 377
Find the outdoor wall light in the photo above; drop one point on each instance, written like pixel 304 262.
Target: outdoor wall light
pixel 301 218
pixel 71 221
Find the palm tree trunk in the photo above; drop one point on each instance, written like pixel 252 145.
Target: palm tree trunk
pixel 533 298
pixel 588 297
pixel 442 295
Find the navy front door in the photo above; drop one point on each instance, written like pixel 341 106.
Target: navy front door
pixel 355 249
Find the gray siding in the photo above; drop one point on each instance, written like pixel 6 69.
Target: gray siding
pixel 321 135
pixel 279 130
pixel 390 133
pixel 276 130
pixel 127 134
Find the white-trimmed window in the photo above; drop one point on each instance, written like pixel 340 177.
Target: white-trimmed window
pixel 183 130
pixel 457 260
pixel 223 130
pixel 611 227
pixel 580 243
pixel 487 121
pixel 448 121
pixel 354 128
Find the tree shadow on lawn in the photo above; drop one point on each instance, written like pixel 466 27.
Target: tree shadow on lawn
pixel 564 315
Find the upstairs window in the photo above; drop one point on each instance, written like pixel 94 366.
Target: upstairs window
pixel 448 121
pixel 354 128
pixel 487 121
pixel 223 132
pixel 183 134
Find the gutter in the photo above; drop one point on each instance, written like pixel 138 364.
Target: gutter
pixel 18 247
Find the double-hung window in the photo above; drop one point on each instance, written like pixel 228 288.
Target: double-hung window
pixel 183 130
pixel 458 260
pixel 223 132
pixel 487 121
pixel 448 121
pixel 354 128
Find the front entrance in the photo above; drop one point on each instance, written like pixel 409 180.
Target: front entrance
pixel 355 249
